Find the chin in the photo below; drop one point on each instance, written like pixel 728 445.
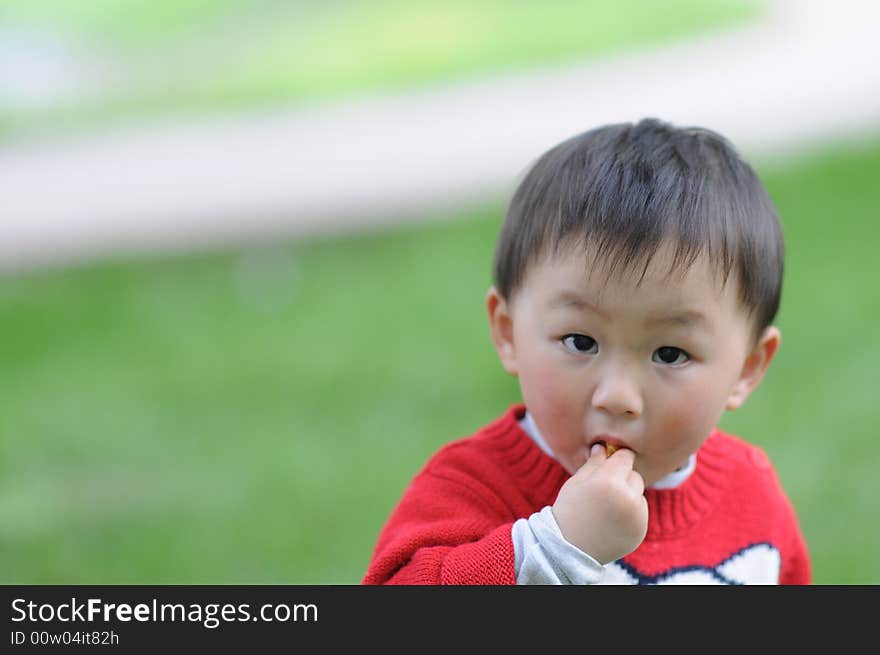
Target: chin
pixel 650 481
pixel 571 468
pixel 649 477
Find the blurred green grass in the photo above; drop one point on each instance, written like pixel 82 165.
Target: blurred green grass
pixel 253 416
pixel 164 57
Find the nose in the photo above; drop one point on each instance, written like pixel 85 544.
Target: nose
pixel 617 393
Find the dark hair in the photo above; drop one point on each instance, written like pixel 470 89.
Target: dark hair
pixel 628 188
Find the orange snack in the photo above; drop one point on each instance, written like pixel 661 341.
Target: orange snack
pixel 609 449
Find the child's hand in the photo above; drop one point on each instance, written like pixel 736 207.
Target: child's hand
pixel 602 509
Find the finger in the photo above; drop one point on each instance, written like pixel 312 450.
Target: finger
pixel 622 459
pixel 595 457
pixel 635 482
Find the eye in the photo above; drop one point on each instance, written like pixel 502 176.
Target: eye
pixel 580 343
pixel 670 355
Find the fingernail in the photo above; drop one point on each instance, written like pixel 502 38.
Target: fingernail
pixel 597 448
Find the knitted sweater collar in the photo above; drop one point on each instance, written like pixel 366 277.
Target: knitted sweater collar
pixel 670 511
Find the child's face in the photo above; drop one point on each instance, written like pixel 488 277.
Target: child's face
pixel 650 367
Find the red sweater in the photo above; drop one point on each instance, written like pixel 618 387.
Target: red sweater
pixel 453 524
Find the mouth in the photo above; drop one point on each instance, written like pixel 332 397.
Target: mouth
pixel 609 442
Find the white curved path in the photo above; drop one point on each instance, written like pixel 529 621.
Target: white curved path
pixel 808 72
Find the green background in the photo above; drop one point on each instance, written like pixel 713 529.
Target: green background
pixel 165 58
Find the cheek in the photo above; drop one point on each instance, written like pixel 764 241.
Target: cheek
pixel 551 395
pixel 690 414
pixel 546 384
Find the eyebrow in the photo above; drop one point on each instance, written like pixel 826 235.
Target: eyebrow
pixel 684 318
pixel 571 299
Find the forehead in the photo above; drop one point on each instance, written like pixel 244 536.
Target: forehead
pixel 575 271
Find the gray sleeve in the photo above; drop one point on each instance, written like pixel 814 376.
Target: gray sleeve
pixel 543 556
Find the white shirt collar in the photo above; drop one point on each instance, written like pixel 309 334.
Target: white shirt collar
pixel 527 423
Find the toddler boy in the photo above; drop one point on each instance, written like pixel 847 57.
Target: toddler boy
pixel 637 276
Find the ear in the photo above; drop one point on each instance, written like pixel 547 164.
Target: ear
pixel 755 367
pixel 501 329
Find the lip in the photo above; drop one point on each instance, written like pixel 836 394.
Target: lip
pixel 617 442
